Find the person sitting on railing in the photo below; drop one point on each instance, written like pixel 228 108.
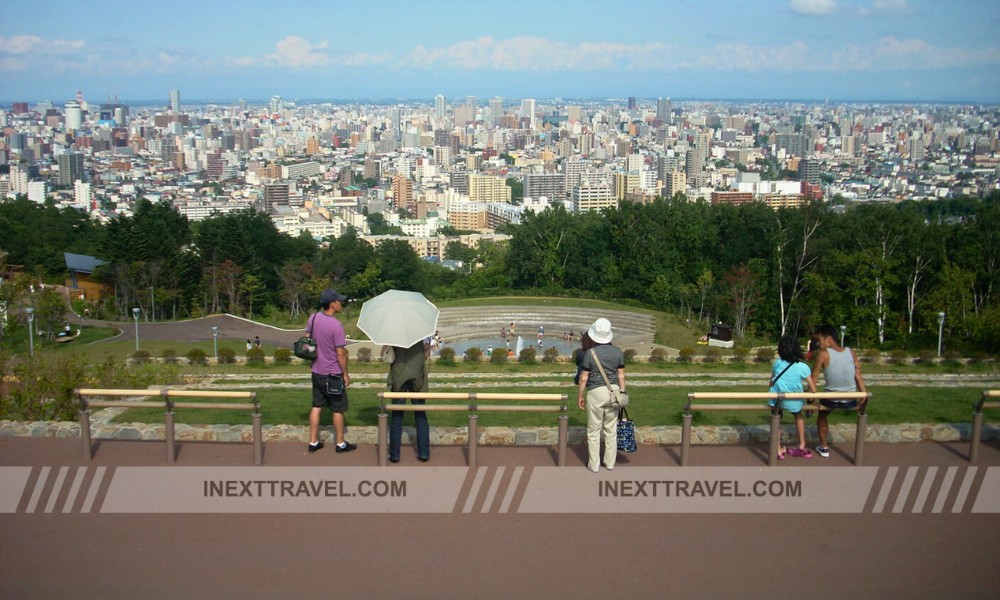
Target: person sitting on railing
pixel 787 374
pixel 841 373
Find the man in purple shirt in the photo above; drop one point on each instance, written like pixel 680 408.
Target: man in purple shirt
pixel 329 370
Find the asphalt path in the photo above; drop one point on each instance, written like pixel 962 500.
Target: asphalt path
pixel 887 555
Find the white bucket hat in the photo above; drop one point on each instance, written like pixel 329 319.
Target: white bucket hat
pixel 600 331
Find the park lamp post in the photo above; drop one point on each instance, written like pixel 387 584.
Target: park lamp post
pixel 940 331
pixel 215 340
pixel 135 315
pixel 31 332
pixel 843 330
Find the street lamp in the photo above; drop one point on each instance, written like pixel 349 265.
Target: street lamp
pixel 135 315
pixel 31 331
pixel 940 331
pixel 843 329
pixel 215 340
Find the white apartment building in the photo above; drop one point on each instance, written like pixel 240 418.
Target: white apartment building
pixel 593 196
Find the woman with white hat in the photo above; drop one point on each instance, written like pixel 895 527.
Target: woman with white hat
pixel 601 416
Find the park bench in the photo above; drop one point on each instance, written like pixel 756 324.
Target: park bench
pixel 977 421
pixel 556 404
pixel 167 402
pixel 752 401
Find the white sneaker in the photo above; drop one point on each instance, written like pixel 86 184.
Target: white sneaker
pixel 593 469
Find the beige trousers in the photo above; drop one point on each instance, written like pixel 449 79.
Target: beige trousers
pixel 601 418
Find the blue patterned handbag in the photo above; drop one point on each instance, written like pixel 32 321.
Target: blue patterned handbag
pixel 626 432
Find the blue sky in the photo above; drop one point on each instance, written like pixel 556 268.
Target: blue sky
pixel 900 50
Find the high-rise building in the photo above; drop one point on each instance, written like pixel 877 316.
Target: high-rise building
pixel 674 183
pixel 593 196
pixel 175 101
pixel 275 194
pixel 547 185
pixel 528 111
pixel 488 188
pixel 402 191
pixel 275 104
pixel 632 103
pixel 83 195
pixel 663 110
pixel 439 106
pixel 70 168
pixel 74 116
pixel 809 170
pixel 496 109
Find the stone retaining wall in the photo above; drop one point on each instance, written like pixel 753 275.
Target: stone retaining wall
pixel 493 436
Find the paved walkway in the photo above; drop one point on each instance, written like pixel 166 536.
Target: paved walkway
pixel 906 554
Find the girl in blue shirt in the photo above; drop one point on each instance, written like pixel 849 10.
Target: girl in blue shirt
pixel 787 374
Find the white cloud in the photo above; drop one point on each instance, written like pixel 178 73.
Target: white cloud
pixel 890 53
pixel 294 51
pixel 22 52
pixel 813 7
pixel 530 53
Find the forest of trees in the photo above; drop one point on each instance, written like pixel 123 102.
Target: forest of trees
pixel 884 270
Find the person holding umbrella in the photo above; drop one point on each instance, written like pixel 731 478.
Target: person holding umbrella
pixel 404 321
pixel 329 369
pixel 408 373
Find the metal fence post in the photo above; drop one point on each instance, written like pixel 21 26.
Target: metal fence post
pixel 977 432
pixel 563 439
pixel 258 437
pixel 88 451
pixel 383 442
pixel 473 439
pixel 775 441
pixel 686 439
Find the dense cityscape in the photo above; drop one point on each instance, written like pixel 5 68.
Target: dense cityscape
pixel 452 169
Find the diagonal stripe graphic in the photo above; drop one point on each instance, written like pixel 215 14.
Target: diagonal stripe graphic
pixel 944 490
pixel 963 491
pixel 491 494
pixel 883 495
pixel 925 488
pixel 508 497
pixel 56 489
pixel 76 477
pixel 43 476
pixel 95 485
pixel 474 491
pixel 904 491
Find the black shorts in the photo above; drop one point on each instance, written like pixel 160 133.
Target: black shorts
pixel 329 392
pixel 839 404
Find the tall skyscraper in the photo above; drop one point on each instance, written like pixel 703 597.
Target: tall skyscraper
pixel 663 110
pixel 175 101
pixel 74 116
pixel 70 168
pixel 528 111
pixel 439 106
pixel 496 109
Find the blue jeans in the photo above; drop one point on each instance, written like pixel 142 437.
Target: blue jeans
pixel 396 429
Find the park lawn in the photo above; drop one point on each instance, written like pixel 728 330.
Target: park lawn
pixel 650 406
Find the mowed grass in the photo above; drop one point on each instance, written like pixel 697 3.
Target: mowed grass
pixel 650 406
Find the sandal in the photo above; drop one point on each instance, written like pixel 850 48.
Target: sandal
pixel 805 453
pixel 795 451
pixel 782 453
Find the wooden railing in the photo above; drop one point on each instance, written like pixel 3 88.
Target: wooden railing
pixel 473 408
pixel 775 441
pixel 168 404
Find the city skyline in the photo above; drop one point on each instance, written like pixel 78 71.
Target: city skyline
pixel 841 50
